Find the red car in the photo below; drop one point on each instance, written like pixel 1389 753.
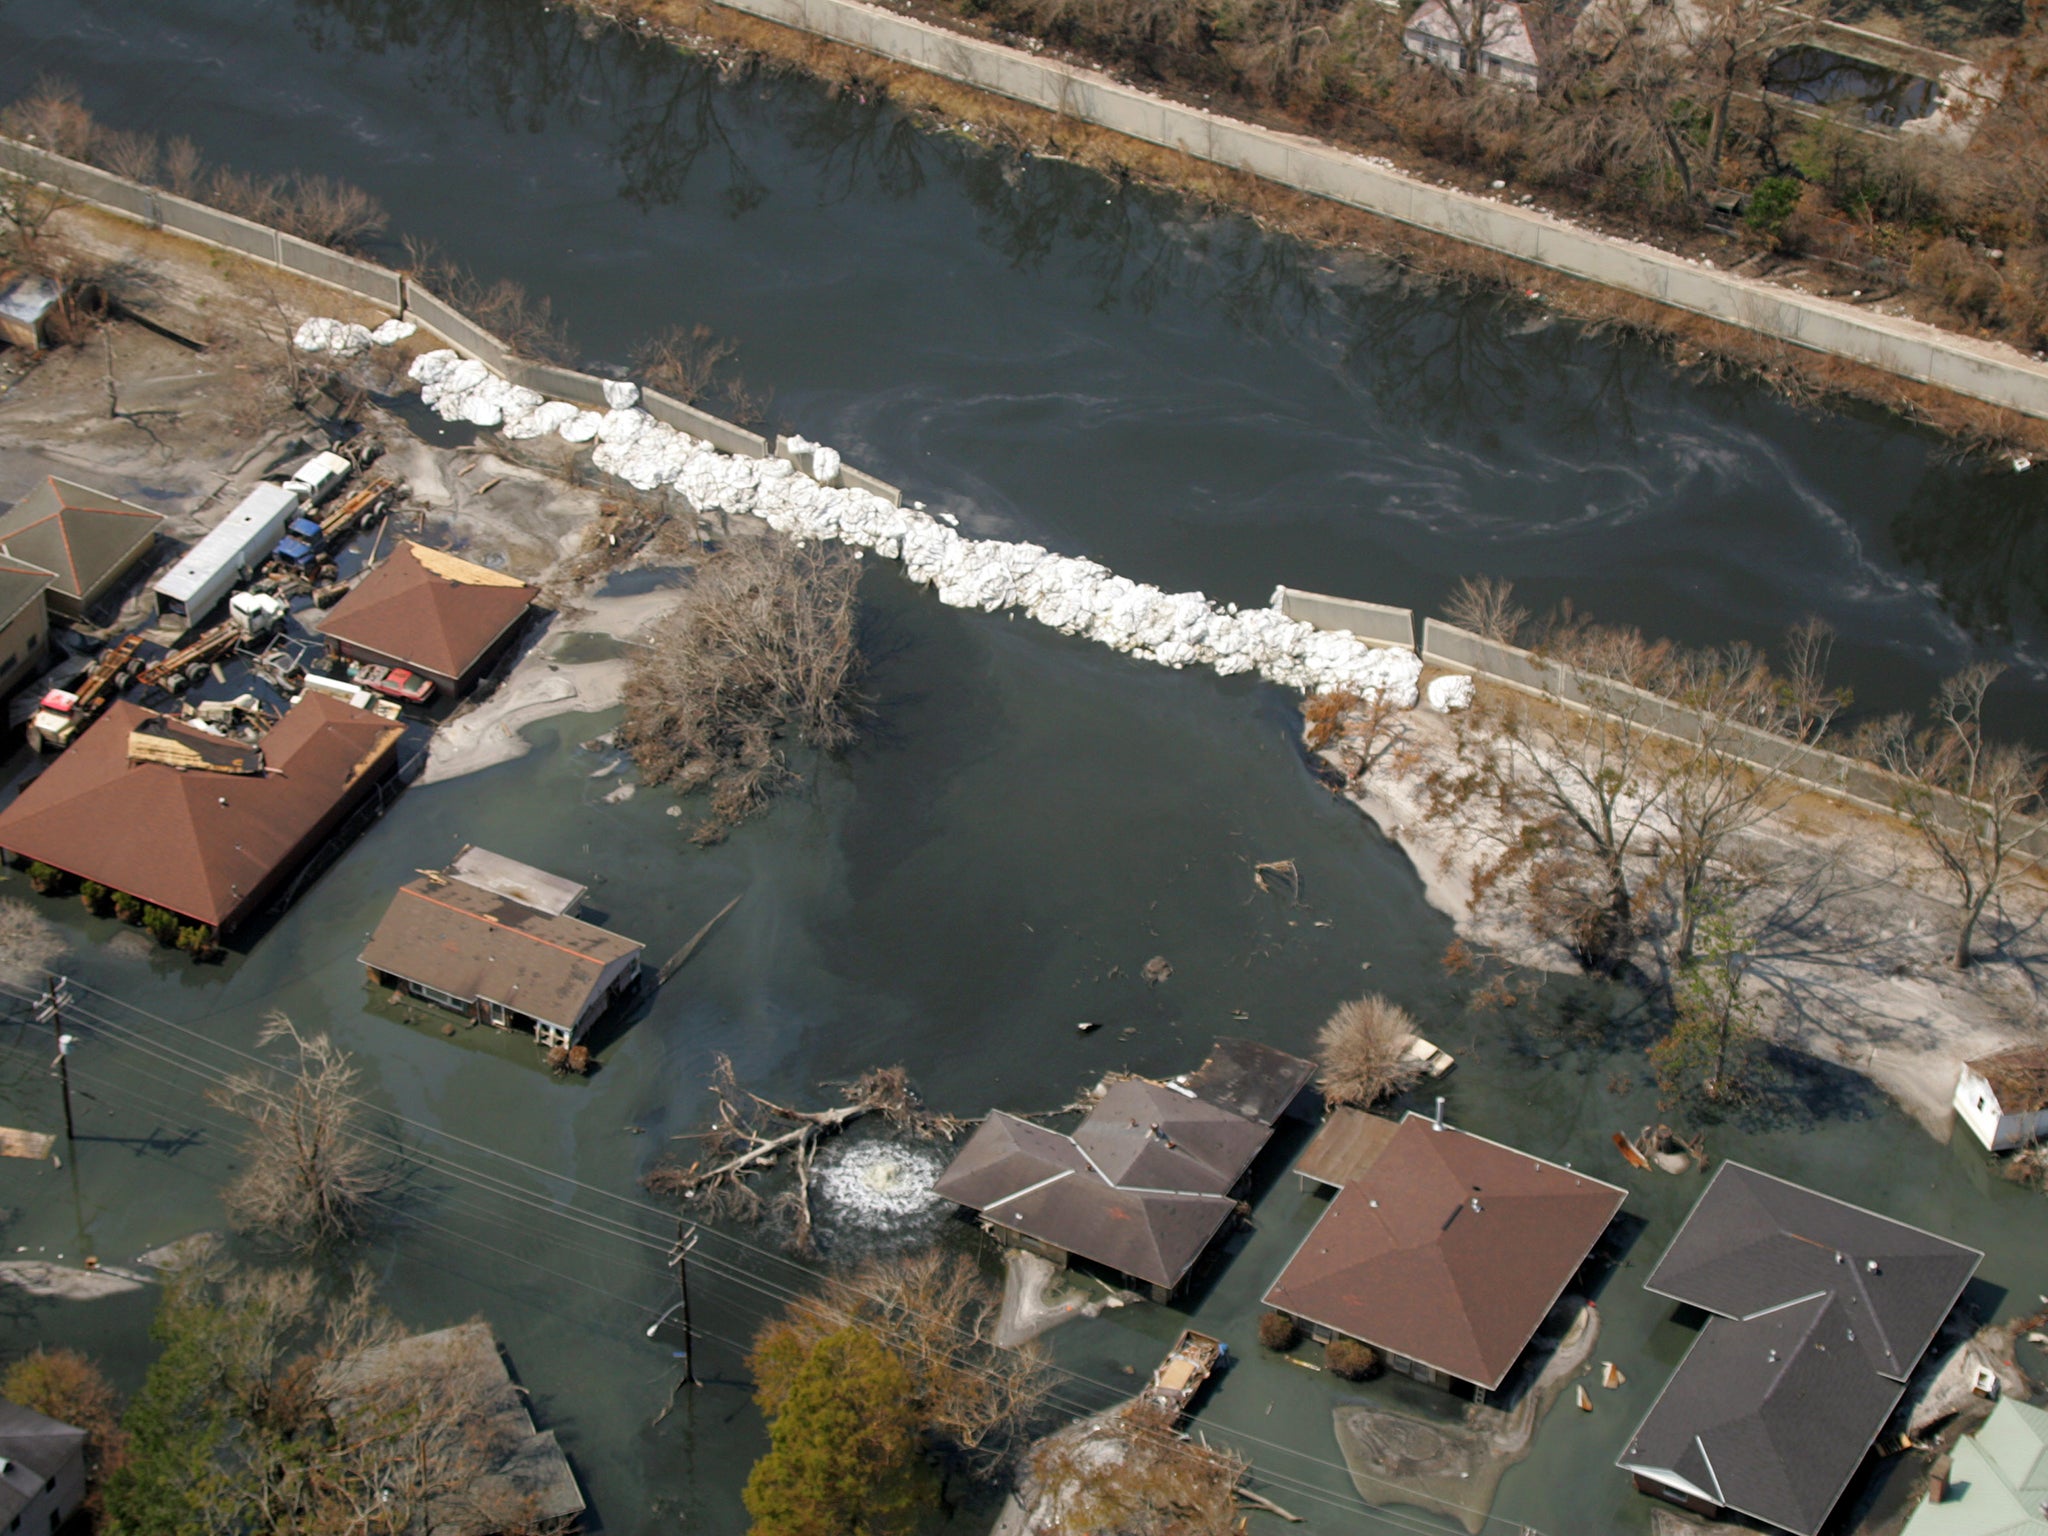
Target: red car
pixel 396 683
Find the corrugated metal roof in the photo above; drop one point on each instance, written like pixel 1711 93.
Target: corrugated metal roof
pixel 253 526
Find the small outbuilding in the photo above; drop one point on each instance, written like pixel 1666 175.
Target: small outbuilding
pixel 42 1471
pixel 205 827
pixel 1488 39
pixel 27 302
pixel 24 622
pixel 434 613
pixel 1818 1313
pixel 2003 1098
pixel 87 539
pixel 1147 1182
pixel 1445 1252
pixel 491 938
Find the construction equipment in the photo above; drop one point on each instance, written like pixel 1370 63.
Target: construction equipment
pixel 64 713
pixel 311 537
pixel 188 663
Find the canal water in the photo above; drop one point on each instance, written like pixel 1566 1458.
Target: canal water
pixel 1029 819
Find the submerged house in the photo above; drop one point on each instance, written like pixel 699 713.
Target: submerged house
pixel 521 1479
pixel 1490 39
pixel 2003 1098
pixel 1997 1482
pixel 42 1471
pixel 86 539
pixel 1147 1182
pixel 1444 1251
pixel 1819 1312
pixel 496 940
pixel 434 613
pixel 201 825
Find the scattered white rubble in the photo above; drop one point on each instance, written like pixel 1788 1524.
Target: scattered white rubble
pixel 1074 596
pixel 336 336
pixel 1450 694
pixel 391 332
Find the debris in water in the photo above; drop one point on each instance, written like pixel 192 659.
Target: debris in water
pixel 1087 1026
pixel 1278 877
pixel 1157 969
pixel 881 1185
pixel 1585 1402
pixel 1610 1375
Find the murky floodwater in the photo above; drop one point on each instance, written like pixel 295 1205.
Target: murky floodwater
pixel 1030 819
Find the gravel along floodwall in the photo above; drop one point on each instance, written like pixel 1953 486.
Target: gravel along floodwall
pixel 1074 596
pixel 1980 370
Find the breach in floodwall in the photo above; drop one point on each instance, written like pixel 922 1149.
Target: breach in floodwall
pixel 1373 622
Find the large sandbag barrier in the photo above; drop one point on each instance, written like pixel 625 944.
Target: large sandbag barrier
pixel 1073 596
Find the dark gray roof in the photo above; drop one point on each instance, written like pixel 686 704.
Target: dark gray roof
pixel 1035 1182
pixel 35 1448
pixel 1145 1135
pixel 1823 1311
pixel 1256 1080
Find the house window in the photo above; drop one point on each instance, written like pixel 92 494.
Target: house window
pixel 436 995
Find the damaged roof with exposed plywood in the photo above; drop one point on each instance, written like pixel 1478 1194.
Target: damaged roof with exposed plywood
pixel 429 610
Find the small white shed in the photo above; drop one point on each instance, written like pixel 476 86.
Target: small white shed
pixel 237 544
pixel 2003 1098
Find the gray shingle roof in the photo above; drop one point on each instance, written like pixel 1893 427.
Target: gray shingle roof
pixel 1823 1309
pixel 35 1447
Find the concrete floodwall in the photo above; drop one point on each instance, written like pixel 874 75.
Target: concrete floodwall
pixel 1981 370
pixel 714 430
pixel 380 285
pixel 1846 778
pixel 425 308
pixel 1373 622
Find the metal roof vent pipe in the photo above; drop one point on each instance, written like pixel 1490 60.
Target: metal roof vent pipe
pixel 1438 1122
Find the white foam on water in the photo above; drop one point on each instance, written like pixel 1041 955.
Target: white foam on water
pixel 880 1186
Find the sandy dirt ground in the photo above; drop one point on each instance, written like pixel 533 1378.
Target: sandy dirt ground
pixel 1851 939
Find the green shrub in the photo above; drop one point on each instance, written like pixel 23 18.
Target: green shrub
pixel 1350 1359
pixel 44 877
pixel 1278 1331
pixel 163 925
pixel 93 897
pixel 1770 205
pixel 127 908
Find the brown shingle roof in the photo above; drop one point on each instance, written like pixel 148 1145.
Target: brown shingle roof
pixel 1347 1146
pixel 469 942
pixel 82 535
pixel 1448 1250
pixel 205 845
pixel 429 610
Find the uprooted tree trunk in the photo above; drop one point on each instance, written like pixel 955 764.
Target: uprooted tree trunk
pixel 750 1136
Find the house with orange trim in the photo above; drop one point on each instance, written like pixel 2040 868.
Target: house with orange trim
pixel 497 941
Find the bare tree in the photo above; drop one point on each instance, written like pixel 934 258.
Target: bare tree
pixel 29 944
pixel 51 115
pixel 1561 791
pixel 310 1173
pixel 1360 731
pixel 1713 1047
pixel 683 361
pixel 766 646
pixel 1970 799
pixel 1362 1052
pixel 1810 701
pixel 1712 789
pixel 1486 606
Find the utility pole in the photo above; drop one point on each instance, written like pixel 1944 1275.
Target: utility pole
pixel 51 1011
pixel 680 1260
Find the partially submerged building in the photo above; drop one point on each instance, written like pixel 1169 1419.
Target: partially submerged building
pixel 1444 1251
pixel 1997 1479
pixel 433 613
pixel 1489 39
pixel 1147 1182
pixel 520 1479
pixel 2003 1098
pixel 42 1471
pixel 1819 1312
pixel 493 939
pixel 86 539
pixel 201 825
pixel 238 544
pixel 24 622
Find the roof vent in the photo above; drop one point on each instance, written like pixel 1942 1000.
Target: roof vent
pixel 1771 1356
pixel 1438 1122
pixel 1475 1202
pixel 1871 1266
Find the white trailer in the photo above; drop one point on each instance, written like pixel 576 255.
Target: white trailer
pixel 240 542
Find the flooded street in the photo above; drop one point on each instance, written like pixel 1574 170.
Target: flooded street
pixel 1029 818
